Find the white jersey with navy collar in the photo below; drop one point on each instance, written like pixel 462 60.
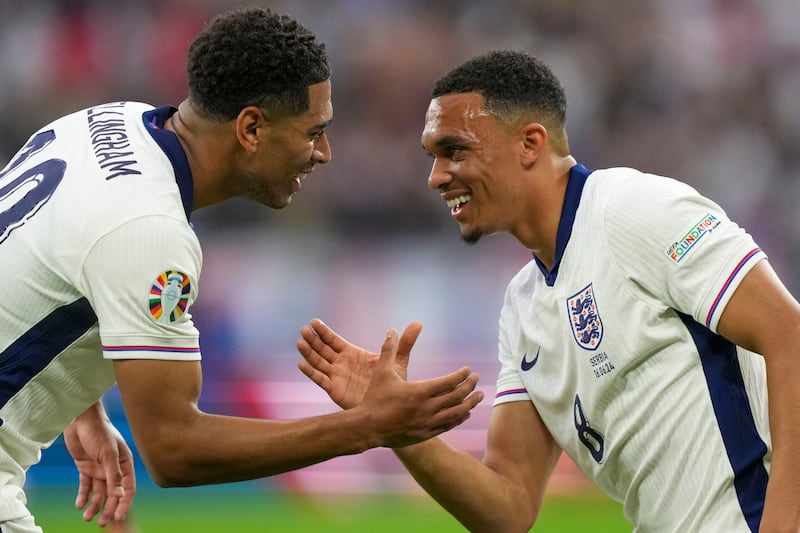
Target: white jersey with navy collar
pixel 616 347
pixel 98 262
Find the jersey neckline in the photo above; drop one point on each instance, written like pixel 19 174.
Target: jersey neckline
pixel 154 121
pixel 572 198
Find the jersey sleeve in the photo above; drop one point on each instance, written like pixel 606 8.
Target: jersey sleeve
pixel 677 246
pixel 141 279
pixel 510 387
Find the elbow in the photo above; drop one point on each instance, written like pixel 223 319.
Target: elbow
pixel 168 465
pixel 520 520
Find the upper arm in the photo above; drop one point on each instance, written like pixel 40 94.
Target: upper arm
pixel 761 316
pixel 160 400
pixel 521 448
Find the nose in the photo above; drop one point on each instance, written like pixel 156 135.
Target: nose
pixel 439 175
pixel 322 149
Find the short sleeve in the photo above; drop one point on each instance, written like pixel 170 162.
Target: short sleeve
pixel 510 387
pixel 141 280
pixel 679 247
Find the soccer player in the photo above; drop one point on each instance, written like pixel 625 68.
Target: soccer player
pixel 642 338
pixel 100 267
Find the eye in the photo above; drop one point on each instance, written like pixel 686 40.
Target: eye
pixel 453 152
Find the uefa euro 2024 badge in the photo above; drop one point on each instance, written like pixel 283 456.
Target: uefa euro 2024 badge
pixel 169 296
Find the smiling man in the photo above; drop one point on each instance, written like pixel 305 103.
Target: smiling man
pixel 648 337
pixel 100 268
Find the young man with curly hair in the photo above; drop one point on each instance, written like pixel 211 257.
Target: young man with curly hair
pixel 642 339
pixel 101 266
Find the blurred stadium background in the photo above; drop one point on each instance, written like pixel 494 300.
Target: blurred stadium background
pixel 702 90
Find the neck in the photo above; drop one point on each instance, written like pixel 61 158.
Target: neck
pixel 540 235
pixel 202 140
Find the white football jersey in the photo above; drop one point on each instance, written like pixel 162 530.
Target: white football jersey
pixel 616 346
pixel 98 262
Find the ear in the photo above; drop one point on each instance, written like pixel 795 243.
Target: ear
pixel 251 126
pixel 534 138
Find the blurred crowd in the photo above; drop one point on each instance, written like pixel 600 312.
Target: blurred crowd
pixel 703 90
pixel 707 91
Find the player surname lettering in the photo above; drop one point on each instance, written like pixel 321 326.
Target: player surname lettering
pixel 109 138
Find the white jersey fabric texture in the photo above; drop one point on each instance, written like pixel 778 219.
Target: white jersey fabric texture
pixel 99 262
pixel 616 346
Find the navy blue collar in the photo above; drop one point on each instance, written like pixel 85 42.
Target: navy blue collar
pixel 572 198
pixel 154 123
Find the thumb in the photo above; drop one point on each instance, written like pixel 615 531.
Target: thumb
pixel 406 342
pixel 389 348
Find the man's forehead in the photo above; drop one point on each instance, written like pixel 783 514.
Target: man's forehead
pixel 451 113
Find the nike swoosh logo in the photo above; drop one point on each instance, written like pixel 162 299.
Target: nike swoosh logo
pixel 527 365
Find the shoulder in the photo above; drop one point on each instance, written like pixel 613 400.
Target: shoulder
pixel 524 282
pixel 628 185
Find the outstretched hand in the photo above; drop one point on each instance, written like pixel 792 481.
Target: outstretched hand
pixel 341 368
pixel 403 412
pixel 105 467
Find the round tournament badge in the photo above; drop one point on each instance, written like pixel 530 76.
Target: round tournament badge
pixel 169 296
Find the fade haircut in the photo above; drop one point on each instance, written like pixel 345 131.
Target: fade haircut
pixel 514 85
pixel 253 56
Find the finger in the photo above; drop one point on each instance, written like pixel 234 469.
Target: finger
pixel 109 511
pixel 313 345
pixel 113 476
pixel 96 501
pixel 389 348
pixel 84 488
pixel 128 483
pixel 458 396
pixel 314 375
pixel 447 419
pixel 327 335
pixel 311 354
pixel 444 384
pixel 406 342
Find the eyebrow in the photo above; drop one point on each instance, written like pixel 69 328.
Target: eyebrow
pixel 321 126
pixel 446 140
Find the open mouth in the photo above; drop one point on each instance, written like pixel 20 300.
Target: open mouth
pixel 458 203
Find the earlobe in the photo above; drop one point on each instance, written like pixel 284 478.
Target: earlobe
pixel 250 127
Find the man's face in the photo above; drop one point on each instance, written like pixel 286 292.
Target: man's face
pixel 292 146
pixel 473 163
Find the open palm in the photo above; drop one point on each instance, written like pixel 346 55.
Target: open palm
pixel 341 368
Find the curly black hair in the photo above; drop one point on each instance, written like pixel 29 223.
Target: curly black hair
pixel 253 56
pixel 512 83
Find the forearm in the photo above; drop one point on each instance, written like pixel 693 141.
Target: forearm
pixel 209 449
pixel 478 496
pixel 782 505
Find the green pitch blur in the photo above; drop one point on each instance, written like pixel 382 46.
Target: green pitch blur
pixel 244 510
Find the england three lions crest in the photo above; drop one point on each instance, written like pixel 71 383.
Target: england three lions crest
pixel 584 318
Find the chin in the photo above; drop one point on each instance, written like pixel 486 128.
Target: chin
pixel 471 236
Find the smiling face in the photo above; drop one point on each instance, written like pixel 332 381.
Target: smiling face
pixel 475 164
pixel 287 150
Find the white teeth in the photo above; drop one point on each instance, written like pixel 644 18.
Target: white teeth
pixel 464 198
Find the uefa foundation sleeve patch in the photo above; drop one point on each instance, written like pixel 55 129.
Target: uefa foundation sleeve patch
pixel 169 296
pixel 680 249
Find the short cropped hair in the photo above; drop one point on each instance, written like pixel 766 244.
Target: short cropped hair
pixel 513 85
pixel 253 56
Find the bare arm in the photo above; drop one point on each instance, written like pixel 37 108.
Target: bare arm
pixel 763 317
pixel 181 445
pixel 107 479
pixel 503 492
